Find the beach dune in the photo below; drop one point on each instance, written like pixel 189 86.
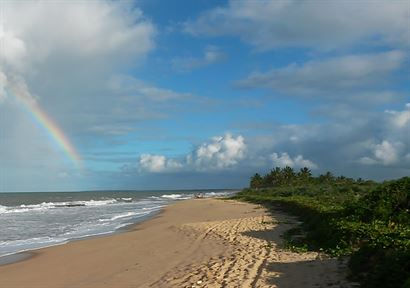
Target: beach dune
pixel 193 243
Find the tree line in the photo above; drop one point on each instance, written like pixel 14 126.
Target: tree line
pixel 288 176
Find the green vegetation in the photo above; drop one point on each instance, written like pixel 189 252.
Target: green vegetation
pixel 341 216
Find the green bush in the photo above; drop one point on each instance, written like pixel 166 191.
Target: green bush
pixel 340 216
pixel 389 203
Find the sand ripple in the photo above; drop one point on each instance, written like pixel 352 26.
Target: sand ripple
pixel 253 258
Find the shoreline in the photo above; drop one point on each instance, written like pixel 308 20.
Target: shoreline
pixel 24 255
pixel 17 257
pixel 190 243
pixel 21 251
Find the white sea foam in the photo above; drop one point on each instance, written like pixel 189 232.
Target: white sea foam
pixel 177 196
pixel 204 194
pixel 52 205
pixel 218 194
pixel 14 246
pixel 30 246
pixel 21 209
pixel 153 208
pixel 123 225
pixel 99 202
pixel 119 216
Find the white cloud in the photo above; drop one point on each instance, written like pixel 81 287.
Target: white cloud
pixel 368 139
pixel 36 30
pixel 61 54
pixel 400 119
pixel 73 56
pixel 222 152
pixel 68 40
pixel 211 55
pixel 158 163
pixel 36 35
pixel 344 144
pixel 331 76
pixel 313 24
pixel 13 49
pixel 385 153
pixel 367 161
pixel 284 160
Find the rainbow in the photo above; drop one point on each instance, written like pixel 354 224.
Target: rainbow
pixel 39 116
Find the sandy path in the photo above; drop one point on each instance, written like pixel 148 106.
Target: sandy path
pixel 255 258
pixel 194 243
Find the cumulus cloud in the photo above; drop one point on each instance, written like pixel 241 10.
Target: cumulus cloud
pixel 222 152
pixel 64 32
pixel 332 77
pixel 91 29
pixel 63 51
pixel 158 163
pixel 358 143
pixel 312 24
pixel 392 145
pixel 386 153
pixel 13 49
pixel 368 145
pixel 284 160
pixel 400 119
pixel 211 55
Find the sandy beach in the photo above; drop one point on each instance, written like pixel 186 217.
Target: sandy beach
pixel 193 243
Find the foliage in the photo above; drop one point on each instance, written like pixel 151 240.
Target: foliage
pixel 342 216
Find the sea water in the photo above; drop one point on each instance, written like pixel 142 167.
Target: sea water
pixel 41 219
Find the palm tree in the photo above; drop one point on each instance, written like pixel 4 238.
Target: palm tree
pixel 304 174
pixel 288 174
pixel 256 181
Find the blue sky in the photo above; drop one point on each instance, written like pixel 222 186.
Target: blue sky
pixel 202 94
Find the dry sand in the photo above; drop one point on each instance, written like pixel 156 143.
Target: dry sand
pixel 193 243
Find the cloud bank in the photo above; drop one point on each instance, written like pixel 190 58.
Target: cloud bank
pixel 316 25
pixel 222 153
pixel 330 77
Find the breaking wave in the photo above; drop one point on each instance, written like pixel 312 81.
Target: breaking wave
pixel 52 205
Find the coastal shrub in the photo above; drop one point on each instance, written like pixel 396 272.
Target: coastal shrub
pixel 368 221
pixel 389 203
pixel 375 267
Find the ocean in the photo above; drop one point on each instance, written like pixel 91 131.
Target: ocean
pixel 40 219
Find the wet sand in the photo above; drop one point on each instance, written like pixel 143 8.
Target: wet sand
pixel 193 243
